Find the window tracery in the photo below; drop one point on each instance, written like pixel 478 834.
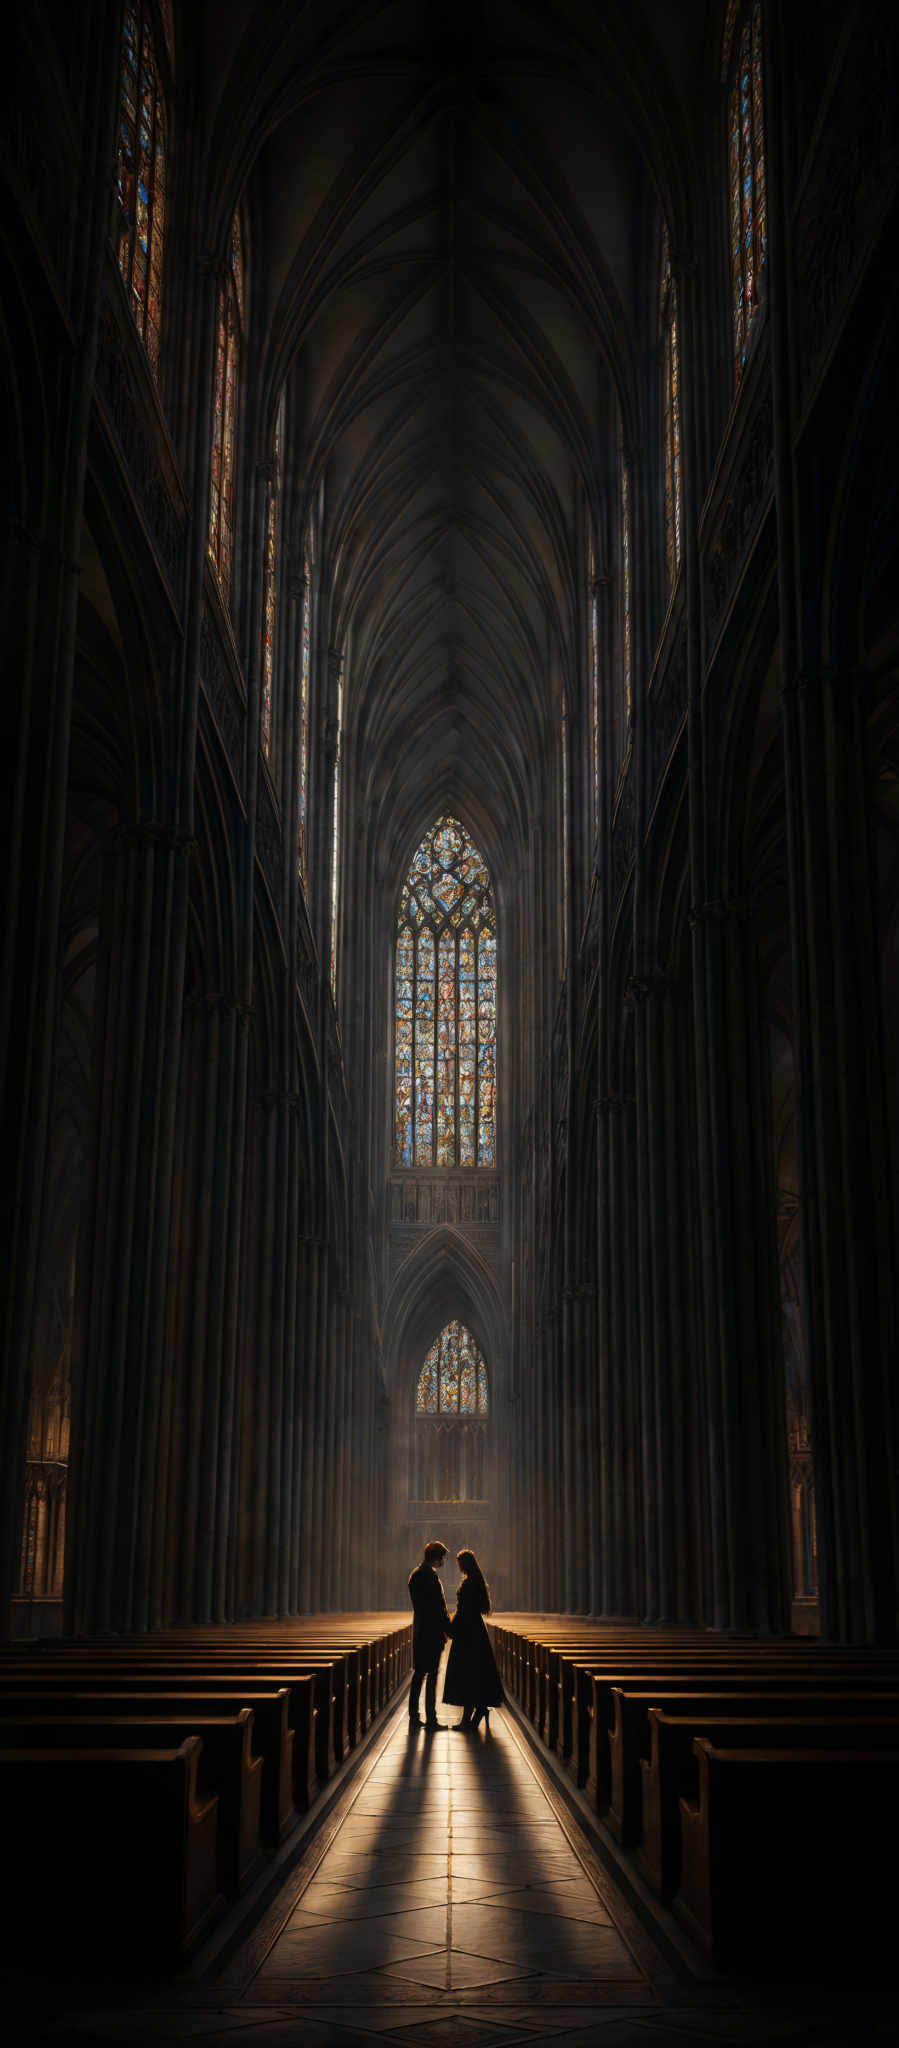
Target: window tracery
pixel 141 174
pixel 453 1379
pixel 671 426
pixel 741 71
pixel 445 1005
pixel 228 350
pixel 451 1407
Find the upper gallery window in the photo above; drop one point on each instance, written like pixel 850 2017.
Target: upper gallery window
pixel 624 694
pixel 140 186
pixel 445 1017
pixel 228 347
pixel 671 433
pixel 269 594
pixel 593 600
pixel 741 72
pixel 305 647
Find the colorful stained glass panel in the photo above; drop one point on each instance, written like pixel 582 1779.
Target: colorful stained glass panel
pixel 453 1378
pixel 140 177
pixel 447 901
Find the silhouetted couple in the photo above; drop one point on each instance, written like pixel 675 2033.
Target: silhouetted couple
pixel 472 1680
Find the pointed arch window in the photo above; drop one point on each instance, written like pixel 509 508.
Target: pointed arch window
pixel 228 353
pixel 593 599
pixel 141 174
pixel 270 588
pixel 624 695
pixel 445 1005
pixel 335 831
pixel 453 1379
pixel 671 425
pixel 741 72
pixel 305 653
pixel 450 1435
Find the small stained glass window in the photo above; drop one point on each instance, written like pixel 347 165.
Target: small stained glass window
pixel 671 426
pixel 335 833
pixel 445 1006
pixel 269 595
pixel 593 600
pixel 305 647
pixel 453 1379
pixel 140 179
pixel 742 73
pixel 228 349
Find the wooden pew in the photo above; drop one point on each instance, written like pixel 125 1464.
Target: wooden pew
pixel 629 1727
pixel 144 1679
pixel 227 1770
pixel 784 1853
pixel 82 1900
pixel 272 1736
pixel 828 1721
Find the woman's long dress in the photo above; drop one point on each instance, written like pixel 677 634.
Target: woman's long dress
pixel 472 1679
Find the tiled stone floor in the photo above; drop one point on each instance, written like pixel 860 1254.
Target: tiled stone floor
pixel 452 1900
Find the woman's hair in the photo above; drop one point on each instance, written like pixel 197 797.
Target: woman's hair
pixel 468 1563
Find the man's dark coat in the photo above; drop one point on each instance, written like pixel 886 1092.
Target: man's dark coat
pixel 430 1626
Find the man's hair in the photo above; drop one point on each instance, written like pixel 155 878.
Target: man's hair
pixel 434 1552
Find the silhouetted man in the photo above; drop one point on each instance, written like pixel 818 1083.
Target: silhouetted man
pixel 430 1630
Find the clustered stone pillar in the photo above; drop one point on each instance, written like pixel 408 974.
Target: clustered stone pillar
pixel 199 1450
pixel 123 1272
pixel 846 1220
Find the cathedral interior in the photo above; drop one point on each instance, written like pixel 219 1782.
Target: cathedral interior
pixel 450 1072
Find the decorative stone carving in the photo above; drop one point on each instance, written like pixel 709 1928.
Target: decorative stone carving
pixel 739 516
pixel 121 405
pixel 223 694
pixel 449 1198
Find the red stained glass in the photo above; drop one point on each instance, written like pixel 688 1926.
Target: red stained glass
pixel 671 416
pixel 746 177
pixel 227 375
pixel 304 714
pixel 140 179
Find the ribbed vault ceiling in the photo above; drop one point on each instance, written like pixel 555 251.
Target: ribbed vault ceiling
pixel 448 201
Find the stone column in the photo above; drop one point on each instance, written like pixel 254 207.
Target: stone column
pixel 124 1269
pixel 273 1341
pixel 744 1380
pixel 198 1463
pixel 848 1241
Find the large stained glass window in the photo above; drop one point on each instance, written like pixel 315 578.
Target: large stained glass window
pixel 305 647
pixel 445 997
pixel 670 415
pixel 228 348
pixel 140 183
pixel 453 1379
pixel 742 73
pixel 269 593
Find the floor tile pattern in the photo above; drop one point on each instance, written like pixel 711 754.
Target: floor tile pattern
pixel 454 1903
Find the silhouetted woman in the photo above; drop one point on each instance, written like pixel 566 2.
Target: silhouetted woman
pixel 472 1680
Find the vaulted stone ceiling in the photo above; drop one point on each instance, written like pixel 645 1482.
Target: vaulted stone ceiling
pixel 448 201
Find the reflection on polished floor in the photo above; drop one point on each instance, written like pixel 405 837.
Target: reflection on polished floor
pixel 452 1899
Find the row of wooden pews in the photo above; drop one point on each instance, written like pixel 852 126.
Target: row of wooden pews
pixel 755 1783
pixel 147 1779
